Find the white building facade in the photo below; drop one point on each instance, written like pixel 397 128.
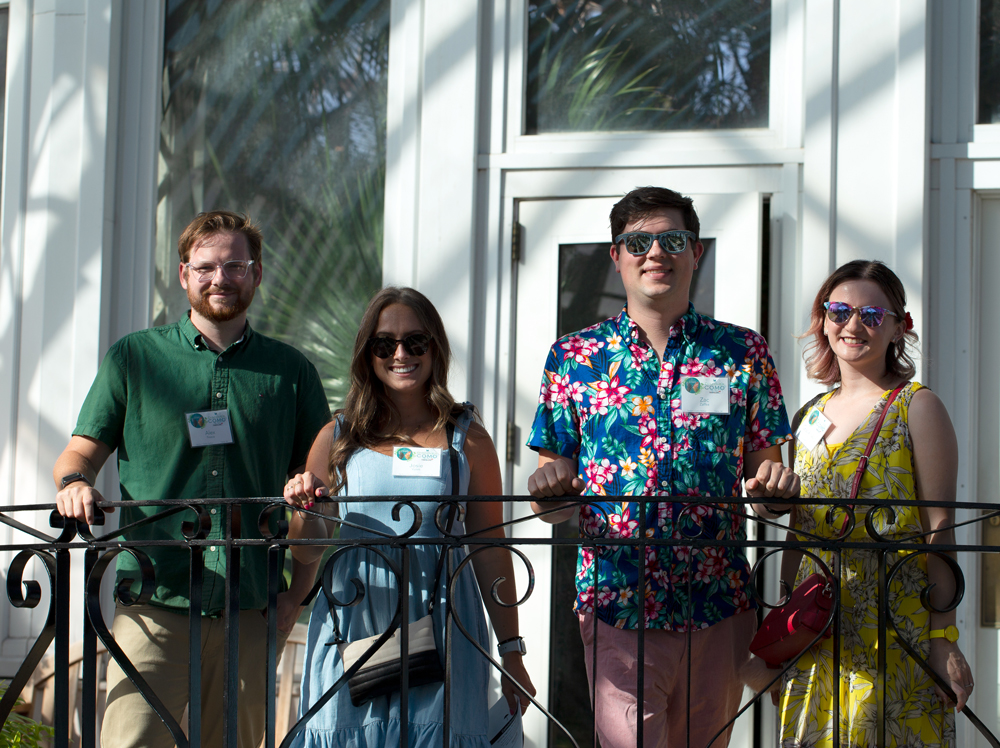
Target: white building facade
pixel 867 134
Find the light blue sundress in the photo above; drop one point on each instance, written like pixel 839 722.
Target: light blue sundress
pixel 339 724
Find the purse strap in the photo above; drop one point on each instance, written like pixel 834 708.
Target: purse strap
pixel 863 462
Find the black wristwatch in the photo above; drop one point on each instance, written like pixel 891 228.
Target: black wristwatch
pixel 73 478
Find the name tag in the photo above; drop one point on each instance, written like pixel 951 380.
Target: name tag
pixel 207 427
pixel 705 395
pixel 813 428
pixel 416 461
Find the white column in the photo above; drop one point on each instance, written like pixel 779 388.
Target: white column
pixel 54 221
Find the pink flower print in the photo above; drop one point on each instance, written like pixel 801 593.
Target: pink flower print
pixel 557 393
pixel 606 596
pixel 693 367
pixel 661 446
pixel 738 397
pixel 640 355
pixel 600 472
pixel 580 349
pixel 664 513
pixel 758 436
pixel 647 427
pixel 621 525
pixel 774 398
pixel 712 565
pixel 650 488
pixel 642 406
pixel 607 395
pixel 756 347
pixel 577 390
pixel 653 608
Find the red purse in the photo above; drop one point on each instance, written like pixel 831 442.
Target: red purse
pixel 788 629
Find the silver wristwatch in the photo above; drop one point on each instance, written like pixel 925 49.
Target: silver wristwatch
pixel 512 645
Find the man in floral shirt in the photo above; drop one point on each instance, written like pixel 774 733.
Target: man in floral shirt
pixel 661 401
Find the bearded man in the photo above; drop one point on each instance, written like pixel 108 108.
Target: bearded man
pixel 202 408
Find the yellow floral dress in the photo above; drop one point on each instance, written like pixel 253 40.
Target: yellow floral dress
pixel 914 716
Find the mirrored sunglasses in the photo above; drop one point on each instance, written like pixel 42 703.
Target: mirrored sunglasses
pixel 232 269
pixel 416 345
pixel 639 242
pixel 871 316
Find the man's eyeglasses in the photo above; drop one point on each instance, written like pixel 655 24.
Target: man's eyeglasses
pixel 871 316
pixel 416 345
pixel 232 269
pixel 672 242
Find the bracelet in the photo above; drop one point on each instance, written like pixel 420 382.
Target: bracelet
pixel 776 512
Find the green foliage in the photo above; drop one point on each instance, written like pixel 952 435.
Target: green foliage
pixel 23 732
pixel 647 65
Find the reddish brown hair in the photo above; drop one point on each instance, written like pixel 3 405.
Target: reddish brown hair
pixel 215 222
pixel 821 362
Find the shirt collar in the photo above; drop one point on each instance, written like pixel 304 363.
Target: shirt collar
pixel 686 327
pixel 197 340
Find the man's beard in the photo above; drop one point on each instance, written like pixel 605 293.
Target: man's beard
pixel 220 312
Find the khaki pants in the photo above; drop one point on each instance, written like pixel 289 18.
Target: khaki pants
pixel 717 654
pixel 156 642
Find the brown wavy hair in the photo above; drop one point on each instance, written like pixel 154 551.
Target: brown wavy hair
pixel 369 417
pixel 216 222
pixel 821 362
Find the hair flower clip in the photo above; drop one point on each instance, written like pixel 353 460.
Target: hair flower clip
pixel 909 321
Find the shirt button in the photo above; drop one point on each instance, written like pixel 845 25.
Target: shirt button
pixel 215 472
pixel 664 483
pixel 211 548
pixel 218 395
pixel 215 511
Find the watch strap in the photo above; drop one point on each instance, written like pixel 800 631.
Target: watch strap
pixel 949 632
pixel 73 478
pixel 515 644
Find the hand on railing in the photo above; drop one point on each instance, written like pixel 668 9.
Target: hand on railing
pixel 79 500
pixel 949 662
pixel 303 490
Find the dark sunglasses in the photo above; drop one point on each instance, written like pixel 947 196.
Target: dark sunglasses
pixel 672 242
pixel 871 316
pixel 416 345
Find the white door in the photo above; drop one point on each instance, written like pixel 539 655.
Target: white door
pixel 562 280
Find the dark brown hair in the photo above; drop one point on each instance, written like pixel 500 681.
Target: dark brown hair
pixel 821 362
pixel 369 417
pixel 645 201
pixel 215 222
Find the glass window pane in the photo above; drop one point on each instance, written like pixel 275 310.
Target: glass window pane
pixel 647 65
pixel 278 108
pixel 989 62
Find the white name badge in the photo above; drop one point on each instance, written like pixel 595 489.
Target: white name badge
pixel 813 428
pixel 705 394
pixel 416 461
pixel 207 427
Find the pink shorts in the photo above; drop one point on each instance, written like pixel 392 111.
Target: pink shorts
pixel 717 654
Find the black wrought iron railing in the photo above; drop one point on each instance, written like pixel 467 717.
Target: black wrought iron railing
pixel 889 552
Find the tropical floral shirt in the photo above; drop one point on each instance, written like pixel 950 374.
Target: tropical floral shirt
pixel 608 403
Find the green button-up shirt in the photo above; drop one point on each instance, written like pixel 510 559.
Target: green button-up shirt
pixel 147 382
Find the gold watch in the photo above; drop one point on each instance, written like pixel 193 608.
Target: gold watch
pixel 950 633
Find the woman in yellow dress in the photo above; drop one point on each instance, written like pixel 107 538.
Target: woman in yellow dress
pixel 858 339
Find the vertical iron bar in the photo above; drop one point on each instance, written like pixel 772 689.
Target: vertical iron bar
pixel 880 671
pixel 62 588
pixel 447 648
pixel 404 644
pixel 230 695
pixel 194 645
pixel 687 646
pixel 593 669
pixel 88 709
pixel 273 571
pixel 837 561
pixel 641 600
